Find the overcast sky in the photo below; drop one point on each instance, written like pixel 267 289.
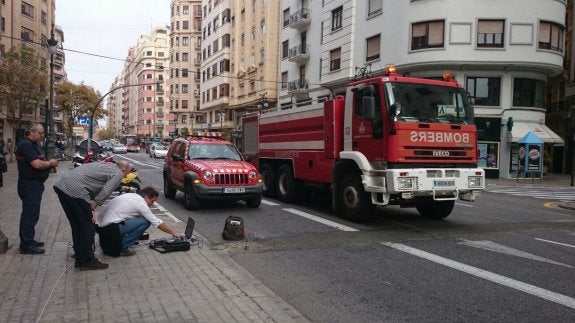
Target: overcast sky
pixel 105 28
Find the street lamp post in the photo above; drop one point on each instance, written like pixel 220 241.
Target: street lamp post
pixel 52 47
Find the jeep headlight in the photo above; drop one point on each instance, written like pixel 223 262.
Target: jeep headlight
pixel 253 175
pixel 208 175
pixel 475 181
pixel 406 183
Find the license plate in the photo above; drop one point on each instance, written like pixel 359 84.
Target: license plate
pixel 234 189
pixel 438 183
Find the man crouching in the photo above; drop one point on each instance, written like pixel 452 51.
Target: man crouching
pixel 125 218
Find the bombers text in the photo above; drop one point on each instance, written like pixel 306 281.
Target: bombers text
pixel 447 137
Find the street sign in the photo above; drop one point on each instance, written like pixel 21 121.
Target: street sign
pixel 78 131
pixel 83 121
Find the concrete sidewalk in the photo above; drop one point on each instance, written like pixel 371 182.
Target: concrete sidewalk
pixel 201 285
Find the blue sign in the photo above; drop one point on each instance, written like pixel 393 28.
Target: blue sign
pixel 83 121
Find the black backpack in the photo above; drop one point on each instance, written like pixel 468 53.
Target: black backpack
pixel 234 229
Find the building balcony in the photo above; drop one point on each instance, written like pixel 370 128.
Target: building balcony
pixel 299 54
pixel 301 19
pixel 298 88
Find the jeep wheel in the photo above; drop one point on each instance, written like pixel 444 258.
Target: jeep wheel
pixel 191 202
pixel 268 177
pixel 355 203
pixel 254 202
pixel 436 210
pixel 169 191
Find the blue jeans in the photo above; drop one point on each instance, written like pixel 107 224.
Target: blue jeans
pixel 30 192
pixel 132 229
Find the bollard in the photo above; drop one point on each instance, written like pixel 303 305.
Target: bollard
pixel 3 243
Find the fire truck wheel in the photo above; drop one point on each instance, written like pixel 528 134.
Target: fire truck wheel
pixel 191 202
pixel 268 176
pixel 355 203
pixel 287 187
pixel 435 209
pixel 169 191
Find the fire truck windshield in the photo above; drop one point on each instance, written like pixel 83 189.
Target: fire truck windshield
pixel 428 103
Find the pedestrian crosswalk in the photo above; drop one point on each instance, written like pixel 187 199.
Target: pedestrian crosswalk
pixel 546 193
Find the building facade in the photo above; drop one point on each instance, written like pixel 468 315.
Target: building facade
pixel 185 60
pixel 504 57
pixel 31 23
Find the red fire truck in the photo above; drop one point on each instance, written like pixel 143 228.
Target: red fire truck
pixel 392 140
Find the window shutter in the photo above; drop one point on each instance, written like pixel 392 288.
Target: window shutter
pixel 418 30
pixel 490 27
pixel 436 33
pixel 373 47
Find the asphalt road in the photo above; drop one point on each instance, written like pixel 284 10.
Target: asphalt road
pixel 502 258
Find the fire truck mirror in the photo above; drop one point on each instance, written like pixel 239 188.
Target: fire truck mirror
pixel 395 110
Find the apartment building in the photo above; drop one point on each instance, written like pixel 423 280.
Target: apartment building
pixel 239 51
pixel 143 81
pixel 31 23
pixel 503 56
pixel 185 60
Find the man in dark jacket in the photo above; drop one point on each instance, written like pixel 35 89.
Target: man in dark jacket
pixel 33 171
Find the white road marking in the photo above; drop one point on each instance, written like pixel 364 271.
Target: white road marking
pixel 321 220
pixel 495 247
pixel 499 279
pixel 467 205
pixel 559 243
pixel 269 203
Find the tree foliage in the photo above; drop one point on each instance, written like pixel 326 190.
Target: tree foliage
pixel 23 85
pixel 76 100
pixel 106 134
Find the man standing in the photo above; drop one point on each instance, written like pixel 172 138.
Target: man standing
pixel 132 215
pixel 80 191
pixel 33 171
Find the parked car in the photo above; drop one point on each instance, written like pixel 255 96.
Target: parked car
pixel 119 149
pixel 158 151
pixel 210 169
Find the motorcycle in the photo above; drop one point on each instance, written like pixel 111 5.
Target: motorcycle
pixel 90 157
pixel 130 183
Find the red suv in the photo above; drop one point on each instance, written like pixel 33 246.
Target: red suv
pixel 207 168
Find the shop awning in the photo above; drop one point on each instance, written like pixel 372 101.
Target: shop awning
pixel 546 135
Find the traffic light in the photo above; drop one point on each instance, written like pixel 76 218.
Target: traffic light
pixel 509 124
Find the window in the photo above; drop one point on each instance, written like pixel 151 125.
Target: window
pixel 184 88
pixel 285 49
pixel 335 59
pixel 184 72
pixel 263 27
pixel 484 90
pixel 185 10
pixel 374 8
pixel 185 41
pixel 27 9
pixel 226 40
pixel 286 18
pixel 284 80
pixel 149 53
pixel 490 33
pixel 528 93
pixel 427 34
pixel 216 45
pixel 551 36
pixel 372 48
pixel 44 18
pixel 27 34
pixel 185 57
pixel 336 18
pixel 488 155
pixel 185 25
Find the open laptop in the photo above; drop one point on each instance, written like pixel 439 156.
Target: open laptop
pixel 190 229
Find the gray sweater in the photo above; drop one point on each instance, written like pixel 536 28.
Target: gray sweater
pixel 91 182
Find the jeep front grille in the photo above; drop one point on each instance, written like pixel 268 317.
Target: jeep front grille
pixel 231 179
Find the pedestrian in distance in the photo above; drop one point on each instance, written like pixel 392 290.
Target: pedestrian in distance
pixel 80 191
pixel 33 171
pixel 125 218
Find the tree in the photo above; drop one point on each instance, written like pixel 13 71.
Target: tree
pixel 76 100
pixel 23 86
pixel 106 134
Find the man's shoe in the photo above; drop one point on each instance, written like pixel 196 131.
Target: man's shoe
pixel 38 243
pixel 32 251
pixel 127 253
pixel 92 265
